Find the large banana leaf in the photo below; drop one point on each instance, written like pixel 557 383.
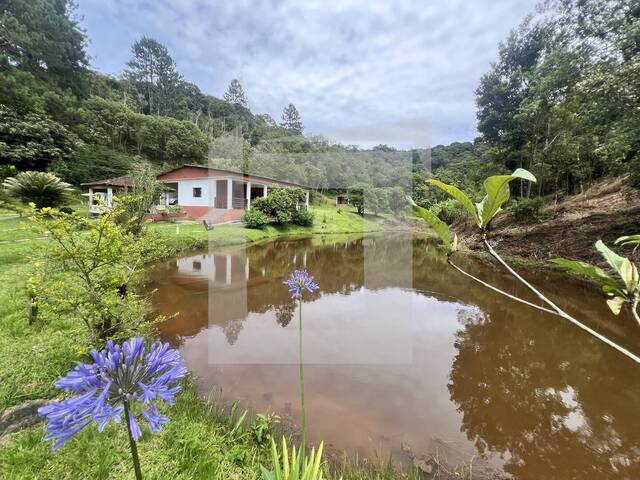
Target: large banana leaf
pixel 441 228
pixel 587 270
pixel 610 256
pixel 497 187
pixel 459 195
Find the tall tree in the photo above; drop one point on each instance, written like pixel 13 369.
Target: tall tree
pixel 235 94
pixel 291 119
pixel 153 74
pixel 42 36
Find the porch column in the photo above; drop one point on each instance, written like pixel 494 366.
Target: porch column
pixel 248 195
pixel 307 198
pixel 264 190
pixel 229 194
pixel 91 199
pixel 109 197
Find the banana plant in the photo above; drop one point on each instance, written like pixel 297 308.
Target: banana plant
pixel 498 193
pixel 450 240
pixel 625 288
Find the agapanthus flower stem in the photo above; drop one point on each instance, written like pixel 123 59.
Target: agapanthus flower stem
pixel 302 414
pixel 132 444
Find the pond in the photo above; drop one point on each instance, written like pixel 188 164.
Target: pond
pixel 404 353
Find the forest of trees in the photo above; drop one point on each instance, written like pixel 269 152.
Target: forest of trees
pixel 561 100
pixel 57 114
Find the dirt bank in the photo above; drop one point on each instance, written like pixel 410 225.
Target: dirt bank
pixel 568 228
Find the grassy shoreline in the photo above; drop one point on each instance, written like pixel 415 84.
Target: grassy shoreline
pixel 196 443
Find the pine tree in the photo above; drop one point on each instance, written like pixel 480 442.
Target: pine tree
pixel 291 120
pixel 235 94
pixel 153 74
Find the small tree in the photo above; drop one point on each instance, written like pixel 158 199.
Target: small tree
pixel 40 188
pixel 360 194
pixel 90 269
pixel 134 205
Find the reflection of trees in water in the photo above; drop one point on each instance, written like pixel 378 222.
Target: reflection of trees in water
pixel 232 330
pixel 552 408
pixel 284 313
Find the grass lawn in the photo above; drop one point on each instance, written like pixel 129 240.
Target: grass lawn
pixel 197 443
pixel 328 220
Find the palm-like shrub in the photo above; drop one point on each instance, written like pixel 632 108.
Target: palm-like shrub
pixel 41 188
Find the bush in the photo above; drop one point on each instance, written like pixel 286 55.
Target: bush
pixel 449 211
pixel 304 217
pixel 525 208
pixel 281 206
pixel 254 218
pixel 40 188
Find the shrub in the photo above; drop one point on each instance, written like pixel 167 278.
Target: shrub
pixel 40 188
pixel 525 208
pixel 254 218
pixel 92 270
pixel 281 206
pixel 449 211
pixel 304 217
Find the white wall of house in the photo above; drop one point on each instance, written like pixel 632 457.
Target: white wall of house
pixel 208 192
pixel 185 192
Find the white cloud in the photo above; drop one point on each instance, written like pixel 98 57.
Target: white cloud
pixel 345 64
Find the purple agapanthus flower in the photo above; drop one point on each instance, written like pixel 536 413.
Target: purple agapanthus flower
pixel 120 377
pixel 299 281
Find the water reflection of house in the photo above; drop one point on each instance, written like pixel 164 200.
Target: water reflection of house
pixel 205 193
pixel 218 269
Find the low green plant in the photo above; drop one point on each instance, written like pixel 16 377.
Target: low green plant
pixel 304 217
pixel 525 208
pixel 294 465
pixel 43 189
pixel 620 290
pixel 262 426
pixel 235 422
pixel 254 218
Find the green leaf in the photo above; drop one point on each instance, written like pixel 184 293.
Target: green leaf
pixel 628 240
pixel 266 474
pixel 441 228
pixel 615 304
pixel 459 195
pixel 629 275
pixel 610 256
pixel 585 269
pixel 498 193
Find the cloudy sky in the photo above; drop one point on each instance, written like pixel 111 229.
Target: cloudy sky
pixel 359 71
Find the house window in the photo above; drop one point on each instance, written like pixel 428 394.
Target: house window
pixel 197 192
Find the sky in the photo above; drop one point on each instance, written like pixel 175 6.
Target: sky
pixel 359 71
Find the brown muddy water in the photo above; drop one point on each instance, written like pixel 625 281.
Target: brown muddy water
pixel 402 352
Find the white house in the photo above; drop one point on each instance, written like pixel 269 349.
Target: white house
pixel 202 192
